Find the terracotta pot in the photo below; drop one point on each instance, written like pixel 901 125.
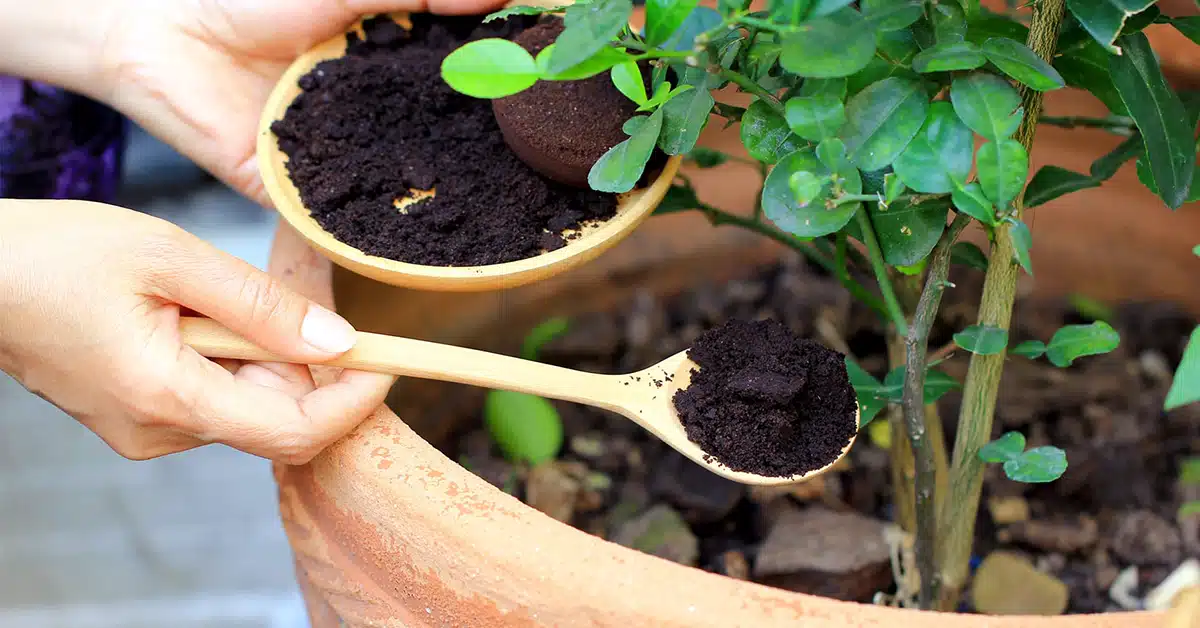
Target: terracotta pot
pixel 387 531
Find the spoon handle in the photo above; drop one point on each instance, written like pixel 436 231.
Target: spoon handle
pixel 426 360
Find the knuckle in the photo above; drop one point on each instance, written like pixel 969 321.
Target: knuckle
pixel 297 448
pixel 266 297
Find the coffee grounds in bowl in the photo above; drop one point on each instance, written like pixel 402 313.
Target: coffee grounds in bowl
pixel 380 121
pixel 766 402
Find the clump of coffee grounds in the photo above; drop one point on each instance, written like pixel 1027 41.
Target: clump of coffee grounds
pixel 380 121
pixel 766 402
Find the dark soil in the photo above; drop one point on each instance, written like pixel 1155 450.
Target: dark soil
pixel 1115 507
pixel 765 401
pixel 561 128
pixel 380 121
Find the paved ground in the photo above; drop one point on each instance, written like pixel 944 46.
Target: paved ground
pixel 91 540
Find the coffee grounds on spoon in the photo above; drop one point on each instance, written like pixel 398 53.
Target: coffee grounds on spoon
pixel 766 402
pixel 380 121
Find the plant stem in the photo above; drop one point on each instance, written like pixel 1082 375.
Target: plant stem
pixel 916 346
pixel 663 54
pixel 1115 124
pixel 957 519
pixel 875 254
pixel 754 88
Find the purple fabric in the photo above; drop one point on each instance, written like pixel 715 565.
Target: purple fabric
pixel 57 144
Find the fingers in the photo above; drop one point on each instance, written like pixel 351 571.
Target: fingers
pixel 250 302
pixel 442 7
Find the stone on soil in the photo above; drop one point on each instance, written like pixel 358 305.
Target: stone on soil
pixel 822 552
pixel 660 532
pixel 1055 536
pixel 553 490
pixel 1008 510
pixel 1144 538
pixel 700 495
pixel 1008 584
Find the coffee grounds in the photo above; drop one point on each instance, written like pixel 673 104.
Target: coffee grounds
pixel 380 121
pixel 766 402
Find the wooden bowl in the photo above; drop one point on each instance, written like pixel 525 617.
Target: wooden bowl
pixel 633 207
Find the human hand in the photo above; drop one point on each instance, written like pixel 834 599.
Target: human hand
pixel 197 74
pixel 90 300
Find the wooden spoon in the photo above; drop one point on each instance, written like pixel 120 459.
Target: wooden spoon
pixel 644 397
pixel 632 208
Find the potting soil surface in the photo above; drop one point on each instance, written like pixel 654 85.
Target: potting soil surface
pixel 765 401
pixel 380 121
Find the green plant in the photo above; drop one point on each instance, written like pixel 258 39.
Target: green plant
pixel 863 119
pixel 526 427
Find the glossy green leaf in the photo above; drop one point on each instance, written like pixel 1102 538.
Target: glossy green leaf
pixel 1005 448
pixel 835 87
pixel 1018 61
pixel 686 115
pixel 816 117
pixel 806 187
pixel 881 120
pixel 588 27
pixel 982 339
pixel 766 135
pixel 628 80
pixel 1031 349
pixel 970 200
pixel 546 331
pixel 896 47
pixel 949 56
pixel 521 9
pixel 1038 465
pixel 1022 242
pixel 620 168
pixel 679 198
pixel 527 428
pixel 1002 167
pixel 602 61
pixel 663 94
pixel 939 155
pixel 789 12
pixel 868 390
pixel 893 187
pixel 1087 68
pixel 826 7
pixel 1052 182
pixel 664 17
pixel 814 220
pixel 702 19
pixel 907 233
pixel 1108 164
pixel 968 254
pixel 987 25
pixel 1075 341
pixel 1189 26
pixel 490 68
pixel 988 104
pixel 892 15
pixel 838 44
pixel 706 157
pixel 937 384
pixel 1160 116
pixel 949 22
pixel 1104 19
pixel 1146 176
pixel 832 153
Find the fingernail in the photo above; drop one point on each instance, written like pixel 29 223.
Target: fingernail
pixel 326 331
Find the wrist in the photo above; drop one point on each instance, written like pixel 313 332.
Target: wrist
pixel 61 42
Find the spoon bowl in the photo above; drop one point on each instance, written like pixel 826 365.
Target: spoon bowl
pixel 633 208
pixel 645 396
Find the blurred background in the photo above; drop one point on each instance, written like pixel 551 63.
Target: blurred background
pixel 87 538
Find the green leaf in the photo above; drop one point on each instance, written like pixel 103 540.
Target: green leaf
pixel 602 61
pixel 1075 341
pixel 987 104
pixel 814 220
pixel 1104 19
pixel 620 168
pixel 937 384
pixel 1107 166
pixel 985 25
pixel 490 68
pixel 1002 167
pixel 706 157
pixel 892 15
pixel 1196 251
pixel 896 47
pixel 766 135
pixel 588 27
pixel 628 80
pixel 869 392
pixel 826 7
pixel 805 187
pixel 982 339
pixel 1189 509
pixel 949 22
pixel 702 19
pixel 907 233
pixel 686 115
pixel 789 12
pixel 521 9
pixel 679 198
pixel 1091 309
pixel 527 428
pixel 1003 449
pixel 1189 469
pixel 939 155
pixel 1145 175
pixel 832 153
pixel 546 331
pixel 1087 68
pixel 663 94
pixel 1038 465
pixel 970 200
pixel 1018 61
pixel 1160 116
pixel 948 57
pixel 893 187
pixel 664 17
pixel 968 254
pixel 1186 387
pixel 1031 349
pixel 1189 26
pixel 1022 241
pixel 816 117
pixel 881 120
pixel 838 44
pixel 1052 182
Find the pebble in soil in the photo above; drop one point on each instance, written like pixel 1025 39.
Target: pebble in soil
pixel 370 128
pixel 1084 530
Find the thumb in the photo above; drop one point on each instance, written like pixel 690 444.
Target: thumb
pixel 248 301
